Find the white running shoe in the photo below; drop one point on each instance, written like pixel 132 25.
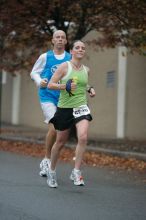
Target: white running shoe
pixel 77 178
pixel 44 166
pixel 52 179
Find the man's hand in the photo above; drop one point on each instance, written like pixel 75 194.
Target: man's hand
pixel 44 83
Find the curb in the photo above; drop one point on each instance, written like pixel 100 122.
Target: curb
pixel 124 154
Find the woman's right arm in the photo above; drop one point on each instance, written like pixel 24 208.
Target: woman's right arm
pixel 57 76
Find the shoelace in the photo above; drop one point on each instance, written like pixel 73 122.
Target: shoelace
pixel 53 175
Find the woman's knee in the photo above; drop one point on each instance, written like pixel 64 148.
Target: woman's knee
pixel 57 147
pixel 59 143
pixel 82 139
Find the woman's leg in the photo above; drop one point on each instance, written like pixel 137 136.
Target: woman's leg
pixel 61 139
pixel 82 134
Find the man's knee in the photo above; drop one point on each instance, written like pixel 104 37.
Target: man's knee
pixel 51 131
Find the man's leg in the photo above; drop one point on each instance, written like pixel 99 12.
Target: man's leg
pixel 49 110
pixel 50 139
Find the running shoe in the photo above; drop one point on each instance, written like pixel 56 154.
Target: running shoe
pixel 77 178
pixel 52 179
pixel 44 166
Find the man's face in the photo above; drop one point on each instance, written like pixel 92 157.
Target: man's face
pixel 59 39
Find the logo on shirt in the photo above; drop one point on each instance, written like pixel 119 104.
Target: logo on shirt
pixel 54 68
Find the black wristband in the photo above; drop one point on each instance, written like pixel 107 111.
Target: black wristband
pixel 89 90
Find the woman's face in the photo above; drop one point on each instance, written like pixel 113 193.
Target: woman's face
pixel 78 50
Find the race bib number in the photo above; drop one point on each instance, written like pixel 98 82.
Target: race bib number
pixel 80 111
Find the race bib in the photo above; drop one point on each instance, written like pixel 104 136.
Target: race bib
pixel 80 111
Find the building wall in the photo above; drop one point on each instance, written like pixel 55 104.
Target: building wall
pixel 30 110
pixel 6 98
pixel 103 66
pixel 103 106
pixel 136 97
pixel 103 76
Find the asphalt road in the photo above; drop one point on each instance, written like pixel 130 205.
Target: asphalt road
pixel 109 194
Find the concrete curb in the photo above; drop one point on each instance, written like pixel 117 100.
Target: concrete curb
pixel 124 154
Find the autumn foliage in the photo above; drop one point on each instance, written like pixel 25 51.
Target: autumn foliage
pixel 91 158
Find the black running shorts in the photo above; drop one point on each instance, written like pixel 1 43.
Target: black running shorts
pixel 64 119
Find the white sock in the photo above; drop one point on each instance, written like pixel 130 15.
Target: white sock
pixel 76 170
pixel 48 159
pixel 52 171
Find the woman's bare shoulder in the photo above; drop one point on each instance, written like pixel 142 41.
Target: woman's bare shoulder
pixel 87 68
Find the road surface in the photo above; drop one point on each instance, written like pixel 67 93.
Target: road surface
pixel 109 194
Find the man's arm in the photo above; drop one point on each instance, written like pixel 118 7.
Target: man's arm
pixel 37 70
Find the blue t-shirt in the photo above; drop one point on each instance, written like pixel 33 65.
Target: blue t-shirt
pixel 45 94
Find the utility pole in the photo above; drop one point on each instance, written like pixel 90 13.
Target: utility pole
pixel 0 98
pixel 1 64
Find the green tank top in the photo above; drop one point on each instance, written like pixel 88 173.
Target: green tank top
pixel 79 98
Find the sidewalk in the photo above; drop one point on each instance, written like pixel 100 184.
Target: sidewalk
pixel 121 148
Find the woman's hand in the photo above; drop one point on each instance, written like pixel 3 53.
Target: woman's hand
pixel 92 92
pixel 73 86
pixel 70 87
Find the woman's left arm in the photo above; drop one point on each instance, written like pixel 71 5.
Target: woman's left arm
pixel 90 88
